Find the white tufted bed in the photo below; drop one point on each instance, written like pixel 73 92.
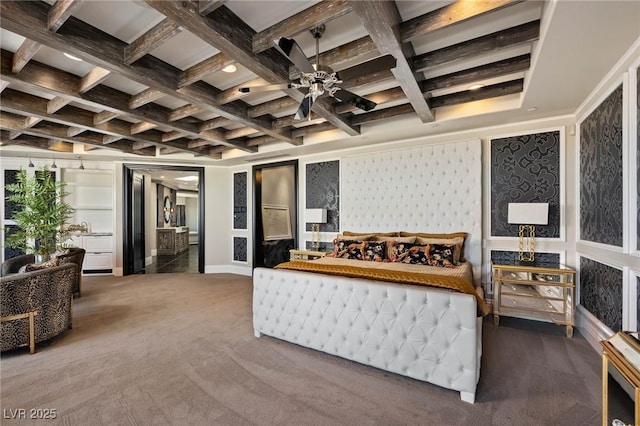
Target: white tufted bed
pixel 426 333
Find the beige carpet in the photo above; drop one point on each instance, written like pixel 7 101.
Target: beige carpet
pixel 179 349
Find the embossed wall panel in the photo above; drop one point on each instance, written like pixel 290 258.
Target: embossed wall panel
pixel 240 200
pixel 323 192
pixel 601 292
pixel 638 303
pixel 601 173
pixel 239 249
pixel 10 176
pixel 511 257
pixel 638 159
pixel 525 169
pixel 434 188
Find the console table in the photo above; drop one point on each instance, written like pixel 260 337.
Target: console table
pixel 172 241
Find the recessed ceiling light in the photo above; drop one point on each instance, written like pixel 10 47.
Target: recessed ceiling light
pixel 75 58
pixel 532 109
pixel 476 86
pixel 230 68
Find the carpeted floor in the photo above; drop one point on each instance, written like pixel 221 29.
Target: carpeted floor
pixel 179 349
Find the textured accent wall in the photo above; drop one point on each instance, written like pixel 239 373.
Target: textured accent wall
pixel 638 303
pixel 511 257
pixel 240 200
pixel 601 292
pixel 323 192
pixel 601 173
pixel 525 169
pixel 10 176
pixel 240 249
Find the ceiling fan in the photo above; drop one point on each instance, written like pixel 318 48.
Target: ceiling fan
pixel 321 79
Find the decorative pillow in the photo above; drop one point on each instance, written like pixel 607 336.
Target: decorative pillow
pixel 363 237
pixel 463 235
pixel 375 251
pixel 348 249
pixel 44 265
pixel 391 240
pixel 410 253
pixel 458 242
pixel 442 255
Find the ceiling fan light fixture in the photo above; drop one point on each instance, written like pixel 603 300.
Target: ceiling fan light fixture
pixel 230 68
pixel 70 56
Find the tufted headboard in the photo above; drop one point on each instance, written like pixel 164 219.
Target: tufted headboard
pixel 434 188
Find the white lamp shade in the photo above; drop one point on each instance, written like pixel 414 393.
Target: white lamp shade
pixel 315 215
pixel 528 213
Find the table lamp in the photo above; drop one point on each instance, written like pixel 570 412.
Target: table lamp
pixel 315 217
pixel 527 215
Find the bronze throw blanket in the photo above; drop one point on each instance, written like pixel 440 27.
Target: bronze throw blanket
pixel 398 277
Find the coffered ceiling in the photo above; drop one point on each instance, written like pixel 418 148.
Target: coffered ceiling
pixel 150 82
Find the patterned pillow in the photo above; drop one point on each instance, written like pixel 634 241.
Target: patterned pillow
pixel 451 235
pixel 410 253
pixel 375 251
pixel 37 266
pixel 458 242
pixel 442 255
pixel 348 249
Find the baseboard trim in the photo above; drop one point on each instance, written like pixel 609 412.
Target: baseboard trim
pixel 228 269
pixel 154 252
pixel 591 328
pixel 148 260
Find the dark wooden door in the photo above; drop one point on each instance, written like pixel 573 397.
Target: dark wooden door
pixel 137 223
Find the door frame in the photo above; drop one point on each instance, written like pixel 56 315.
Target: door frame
pixel 127 214
pixel 257 205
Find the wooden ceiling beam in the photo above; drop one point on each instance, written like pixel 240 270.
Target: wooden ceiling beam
pixel 198 143
pixel 59 83
pixel 107 139
pixel 182 112
pixel 169 136
pixel 451 14
pixel 34 142
pixel 94 77
pixel 23 55
pixel 75 131
pixel 514 36
pixel 284 103
pixel 151 39
pixel 202 69
pixel 60 11
pixel 290 120
pixel 382 114
pixel 239 133
pixel 382 20
pixel 492 91
pixel 233 93
pixel 385 96
pixel 22 103
pixel 56 103
pixel 142 126
pixel 495 69
pixel 229 34
pixel 260 140
pixel 338 58
pixel 3 85
pixel 104 116
pixel 214 123
pixel 205 7
pixel 101 49
pixel 144 97
pixel 316 15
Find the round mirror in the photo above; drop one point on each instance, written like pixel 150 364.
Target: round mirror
pixel 167 209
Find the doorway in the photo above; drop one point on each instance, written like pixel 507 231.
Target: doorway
pixel 275 218
pixel 162 211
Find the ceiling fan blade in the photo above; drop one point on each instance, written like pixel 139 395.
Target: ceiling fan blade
pixel 305 108
pixel 355 100
pixel 370 67
pixel 289 48
pixel 268 87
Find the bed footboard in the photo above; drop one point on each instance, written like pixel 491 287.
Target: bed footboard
pixel 420 332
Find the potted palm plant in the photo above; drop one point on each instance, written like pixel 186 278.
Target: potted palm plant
pixel 40 213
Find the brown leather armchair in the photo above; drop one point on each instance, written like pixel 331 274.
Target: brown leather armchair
pixel 74 255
